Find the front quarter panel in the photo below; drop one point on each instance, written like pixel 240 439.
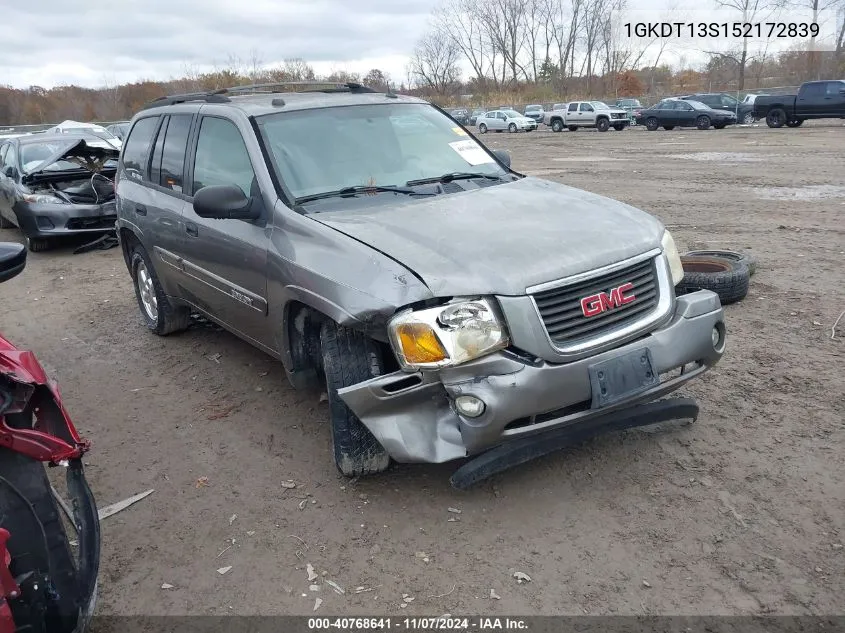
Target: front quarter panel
pixel 334 274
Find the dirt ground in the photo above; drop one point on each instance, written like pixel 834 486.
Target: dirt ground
pixel 740 513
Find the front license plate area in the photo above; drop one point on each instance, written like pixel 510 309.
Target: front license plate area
pixel 619 378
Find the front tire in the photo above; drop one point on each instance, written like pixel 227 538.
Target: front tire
pixel 651 124
pixel 348 358
pixel 482 129
pixel 703 122
pixel 602 125
pixel 776 118
pixel 557 125
pixel 748 119
pixel 159 314
pixel 512 128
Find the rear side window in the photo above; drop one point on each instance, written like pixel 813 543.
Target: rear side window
pixel 173 155
pixel 813 91
pixel 222 157
pixel 137 147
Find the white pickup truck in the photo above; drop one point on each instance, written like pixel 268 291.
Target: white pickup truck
pixel 595 114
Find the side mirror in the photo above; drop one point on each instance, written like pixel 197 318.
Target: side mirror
pixel 12 260
pixel 225 202
pixel 504 157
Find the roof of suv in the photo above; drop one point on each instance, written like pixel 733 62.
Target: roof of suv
pixel 268 102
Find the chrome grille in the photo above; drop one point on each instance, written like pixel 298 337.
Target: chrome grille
pixel 561 312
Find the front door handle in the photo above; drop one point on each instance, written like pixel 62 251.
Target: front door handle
pixel 140 209
pixel 191 229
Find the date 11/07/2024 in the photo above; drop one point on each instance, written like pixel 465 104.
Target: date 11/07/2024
pixel 442 623
pixel 725 30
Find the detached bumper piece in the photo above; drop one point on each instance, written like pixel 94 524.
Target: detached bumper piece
pixel 520 451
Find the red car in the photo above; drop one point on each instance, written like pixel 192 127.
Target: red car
pixel 46 585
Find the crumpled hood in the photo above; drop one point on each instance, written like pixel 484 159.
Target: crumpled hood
pixel 504 238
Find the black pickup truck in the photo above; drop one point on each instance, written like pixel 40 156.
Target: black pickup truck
pixel 815 100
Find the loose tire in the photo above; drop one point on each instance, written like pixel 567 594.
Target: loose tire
pixel 482 129
pixel 651 124
pixel 776 118
pixel 602 125
pixel 618 127
pixel 748 260
pixel 703 122
pixel 159 314
pixel 726 277
pixel 668 128
pixel 794 122
pixel 512 128
pixel 573 128
pixel 39 544
pixel 348 358
pixel 38 244
pixel 557 125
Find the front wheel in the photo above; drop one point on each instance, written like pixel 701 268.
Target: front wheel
pixel 602 125
pixel 651 124
pixel 348 358
pixel 557 125
pixel 159 314
pixel 512 128
pixel 794 122
pixel 482 129
pixel 703 122
pixel 748 119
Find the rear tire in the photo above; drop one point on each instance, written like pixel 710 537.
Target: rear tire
pixel 651 124
pixel 776 118
pixel 748 119
pixel 573 128
pixel 728 278
pixel 349 357
pixel 703 122
pixel 38 543
pixel 159 314
pixel 668 128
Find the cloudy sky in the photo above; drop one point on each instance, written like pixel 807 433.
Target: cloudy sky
pixel 92 42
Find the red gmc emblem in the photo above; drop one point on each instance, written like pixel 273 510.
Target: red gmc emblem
pixel 604 301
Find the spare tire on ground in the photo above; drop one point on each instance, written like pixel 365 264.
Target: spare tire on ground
pixel 727 277
pixel 748 260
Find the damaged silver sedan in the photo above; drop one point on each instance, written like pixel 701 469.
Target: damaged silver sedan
pixel 448 305
pixel 54 185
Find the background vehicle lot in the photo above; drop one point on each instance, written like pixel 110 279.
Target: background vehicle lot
pixel 735 514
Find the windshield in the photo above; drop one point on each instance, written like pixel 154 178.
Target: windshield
pixel 100 132
pixel 328 149
pixel 533 108
pixel 599 105
pixel 32 155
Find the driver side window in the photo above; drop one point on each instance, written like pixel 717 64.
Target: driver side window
pixel 586 107
pixel 222 157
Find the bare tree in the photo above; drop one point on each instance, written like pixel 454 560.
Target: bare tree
pixel 434 63
pixel 459 21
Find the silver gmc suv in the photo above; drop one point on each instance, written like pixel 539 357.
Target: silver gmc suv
pixel 446 303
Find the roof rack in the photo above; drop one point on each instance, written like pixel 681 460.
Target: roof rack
pixel 219 96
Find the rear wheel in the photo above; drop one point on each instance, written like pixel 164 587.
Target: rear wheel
pixel 668 127
pixel 703 122
pixel 651 124
pixel 573 128
pixel 748 119
pixel 776 118
pixel 602 125
pixel 159 314
pixel 348 358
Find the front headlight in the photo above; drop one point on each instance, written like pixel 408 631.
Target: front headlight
pixel 41 198
pixel 447 335
pixel 672 257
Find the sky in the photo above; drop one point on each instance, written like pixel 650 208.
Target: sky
pixel 94 43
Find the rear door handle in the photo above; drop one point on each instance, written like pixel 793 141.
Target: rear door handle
pixel 140 209
pixel 191 229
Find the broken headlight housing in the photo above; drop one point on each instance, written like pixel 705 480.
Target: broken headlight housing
pixel 673 258
pixel 41 198
pixel 447 335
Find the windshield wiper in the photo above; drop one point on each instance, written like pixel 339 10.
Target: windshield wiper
pixel 455 175
pixel 354 191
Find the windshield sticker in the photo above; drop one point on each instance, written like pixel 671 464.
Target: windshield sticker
pixel 471 152
pixel 459 131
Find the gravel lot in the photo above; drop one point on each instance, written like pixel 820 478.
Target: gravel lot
pixel 740 513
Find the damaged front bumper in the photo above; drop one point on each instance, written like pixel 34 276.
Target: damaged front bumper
pixel 414 417
pixel 43 220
